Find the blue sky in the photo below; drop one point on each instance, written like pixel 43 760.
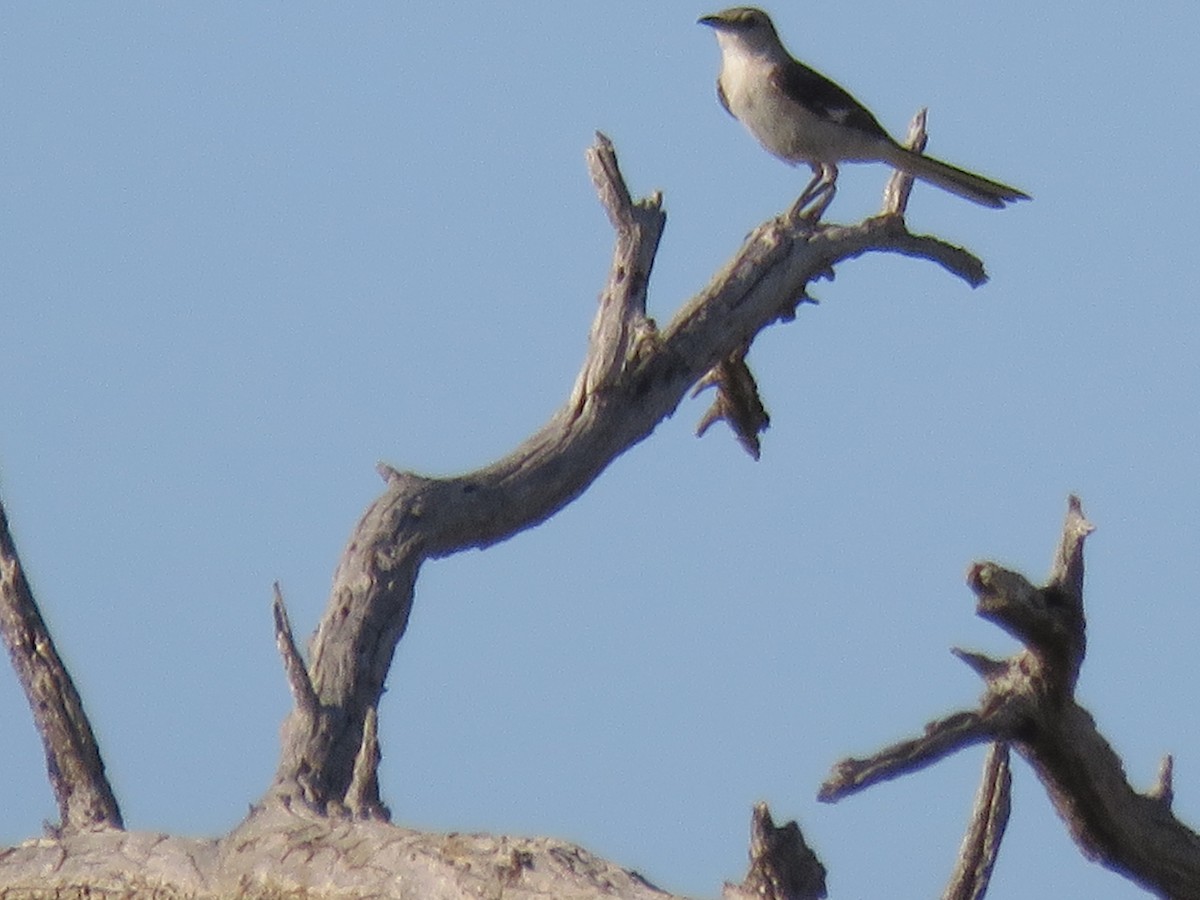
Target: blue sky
pixel 251 249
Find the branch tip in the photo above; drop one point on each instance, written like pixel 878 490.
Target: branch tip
pixel 298 678
pixel 393 476
pixel 609 183
pixel 940 739
pixel 73 763
pixel 782 865
pixel 900 184
pixel 984 666
pixel 1067 572
pixel 1164 784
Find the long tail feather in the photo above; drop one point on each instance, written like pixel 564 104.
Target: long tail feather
pixel 966 184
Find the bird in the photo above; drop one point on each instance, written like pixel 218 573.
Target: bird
pixel 801 116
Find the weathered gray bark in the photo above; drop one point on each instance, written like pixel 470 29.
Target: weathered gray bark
pixel 633 377
pixel 278 854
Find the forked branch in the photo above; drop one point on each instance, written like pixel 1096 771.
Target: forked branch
pixel 1029 702
pixel 633 377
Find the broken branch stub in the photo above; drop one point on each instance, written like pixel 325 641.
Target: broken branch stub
pixel 782 865
pixel 84 796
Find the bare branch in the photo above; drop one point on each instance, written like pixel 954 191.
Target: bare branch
pixel 900 184
pixel 981 844
pixel 738 401
pixel 941 738
pixel 1067 572
pixel 297 675
pixel 634 376
pixel 85 798
pixel 955 260
pixel 983 666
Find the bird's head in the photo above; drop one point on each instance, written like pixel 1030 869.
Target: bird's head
pixel 745 28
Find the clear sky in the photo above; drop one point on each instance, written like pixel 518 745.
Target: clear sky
pixel 250 249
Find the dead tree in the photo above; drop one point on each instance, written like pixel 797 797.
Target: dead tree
pixel 321 828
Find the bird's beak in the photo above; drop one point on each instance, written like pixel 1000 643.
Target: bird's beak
pixel 711 21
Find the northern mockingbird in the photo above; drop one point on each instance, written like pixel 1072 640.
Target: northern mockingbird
pixel 801 116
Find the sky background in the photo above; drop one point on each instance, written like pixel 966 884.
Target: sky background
pixel 251 249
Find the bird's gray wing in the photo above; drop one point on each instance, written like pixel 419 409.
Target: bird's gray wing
pixel 824 98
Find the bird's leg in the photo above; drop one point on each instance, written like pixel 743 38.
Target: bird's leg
pixel 824 195
pixel 806 195
pixel 817 195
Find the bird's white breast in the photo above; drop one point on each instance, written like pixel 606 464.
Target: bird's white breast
pixel 784 127
pixel 738 72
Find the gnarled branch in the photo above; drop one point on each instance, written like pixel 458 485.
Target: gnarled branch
pixel 633 377
pixel 1029 702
